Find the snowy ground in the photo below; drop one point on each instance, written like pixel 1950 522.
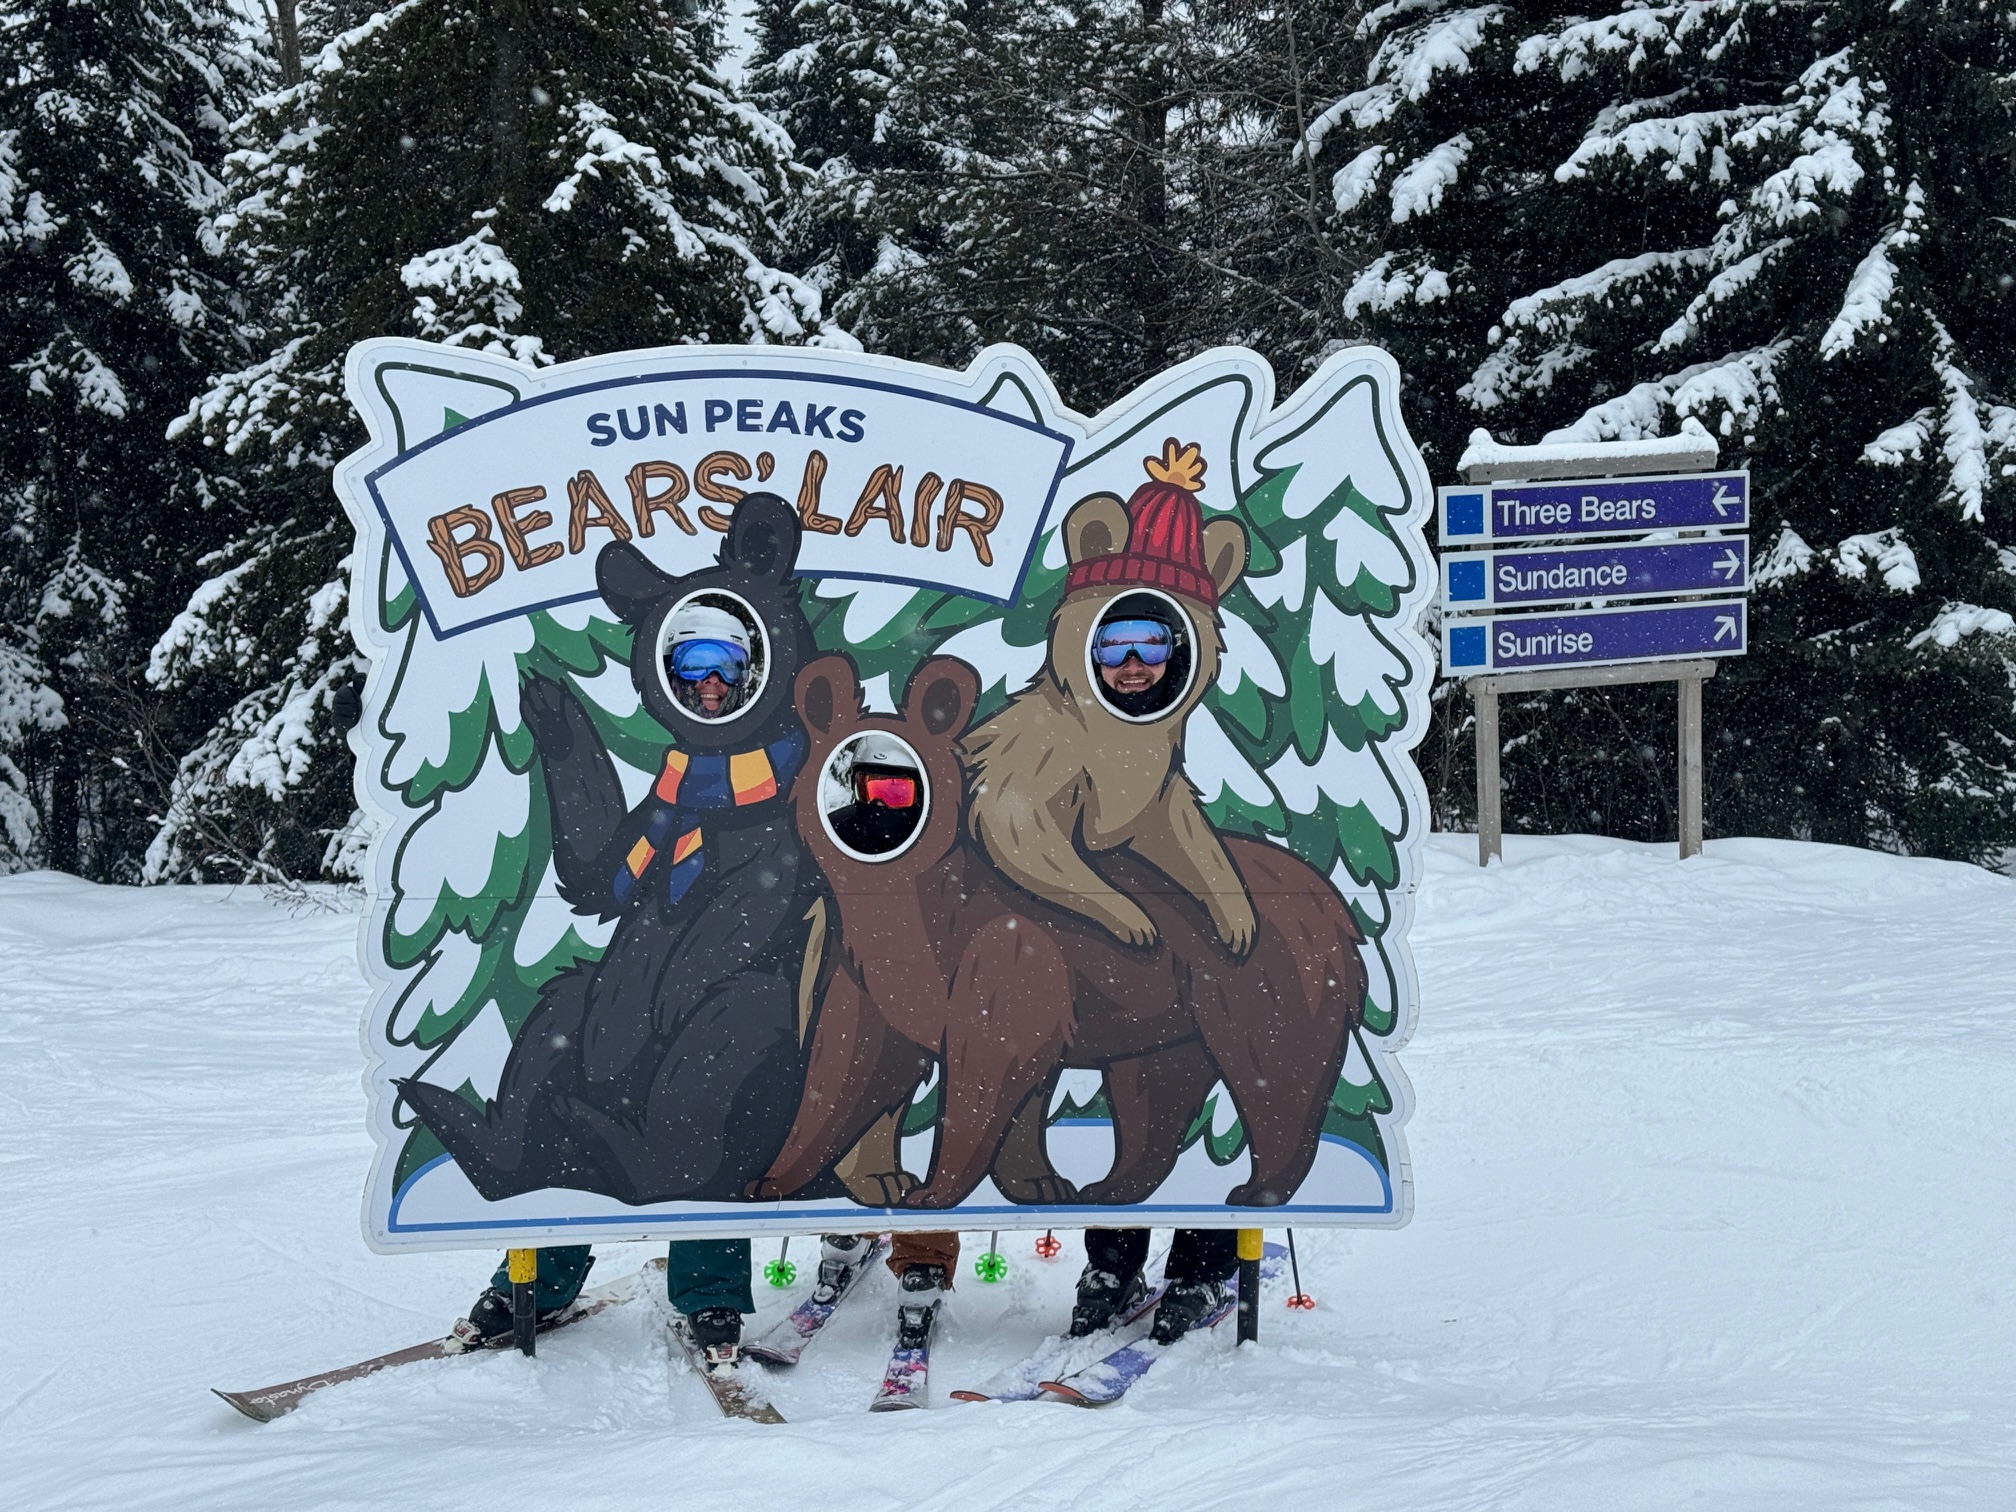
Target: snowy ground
pixel 1714 1209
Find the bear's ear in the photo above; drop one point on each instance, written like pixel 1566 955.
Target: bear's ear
pixel 628 582
pixel 942 695
pixel 1096 526
pixel 1225 552
pixel 762 537
pixel 827 691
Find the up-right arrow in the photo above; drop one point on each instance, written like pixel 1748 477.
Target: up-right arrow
pixel 1722 499
pixel 1725 627
pixel 1730 565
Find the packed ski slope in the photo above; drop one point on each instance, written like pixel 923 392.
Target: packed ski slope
pixel 1714 1178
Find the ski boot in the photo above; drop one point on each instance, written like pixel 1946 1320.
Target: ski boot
pixel 1184 1305
pixel 919 1291
pixel 1102 1297
pixel 488 1325
pixel 717 1334
pixel 840 1260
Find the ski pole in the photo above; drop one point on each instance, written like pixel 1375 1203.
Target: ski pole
pixel 781 1272
pixel 523 1266
pixel 1250 1250
pixel 1301 1301
pixel 993 1265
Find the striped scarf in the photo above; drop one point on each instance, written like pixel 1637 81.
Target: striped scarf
pixel 689 784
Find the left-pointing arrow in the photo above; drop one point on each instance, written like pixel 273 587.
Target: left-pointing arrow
pixel 1725 627
pixel 1730 565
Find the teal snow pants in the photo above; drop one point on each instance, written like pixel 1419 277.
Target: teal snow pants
pixel 699 1273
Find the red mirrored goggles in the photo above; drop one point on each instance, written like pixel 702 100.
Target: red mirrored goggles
pixel 890 792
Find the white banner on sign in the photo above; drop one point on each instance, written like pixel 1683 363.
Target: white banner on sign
pixel 504 512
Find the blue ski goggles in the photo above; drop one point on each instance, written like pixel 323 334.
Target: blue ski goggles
pixel 696 660
pixel 1117 640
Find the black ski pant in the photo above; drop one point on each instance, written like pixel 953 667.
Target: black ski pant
pixel 1196 1255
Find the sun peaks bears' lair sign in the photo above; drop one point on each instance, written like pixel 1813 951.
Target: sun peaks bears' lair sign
pixel 812 790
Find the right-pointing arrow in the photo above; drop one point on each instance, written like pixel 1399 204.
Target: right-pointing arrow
pixel 1725 627
pixel 1730 565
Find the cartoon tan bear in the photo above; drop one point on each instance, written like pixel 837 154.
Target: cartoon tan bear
pixel 1088 758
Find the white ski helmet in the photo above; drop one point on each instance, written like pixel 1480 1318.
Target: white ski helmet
pixel 879 749
pixel 705 622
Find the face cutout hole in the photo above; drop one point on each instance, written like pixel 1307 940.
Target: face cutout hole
pixel 1141 656
pixel 713 656
pixel 874 797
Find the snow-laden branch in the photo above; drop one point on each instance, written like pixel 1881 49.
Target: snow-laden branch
pixel 1418 188
pixel 1887 551
pixel 1741 385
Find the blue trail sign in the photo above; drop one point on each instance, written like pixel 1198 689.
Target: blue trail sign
pixel 1474 580
pixel 1593 637
pixel 1481 512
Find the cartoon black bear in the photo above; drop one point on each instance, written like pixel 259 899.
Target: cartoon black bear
pixel 670 1068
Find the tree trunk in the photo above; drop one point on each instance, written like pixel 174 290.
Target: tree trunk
pixel 1158 322
pixel 289 39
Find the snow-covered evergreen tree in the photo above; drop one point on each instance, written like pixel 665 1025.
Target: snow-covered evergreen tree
pixel 1794 222
pixel 112 122
pixel 1112 184
pixel 542 182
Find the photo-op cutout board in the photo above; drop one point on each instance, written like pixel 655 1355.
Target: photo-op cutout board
pixel 814 791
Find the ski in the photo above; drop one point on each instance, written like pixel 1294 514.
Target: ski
pixel 736 1394
pixel 785 1340
pixel 1108 1379
pixel 909 1370
pixel 1023 1381
pixel 270 1402
pixel 904 1382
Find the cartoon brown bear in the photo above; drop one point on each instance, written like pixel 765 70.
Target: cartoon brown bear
pixel 1087 760
pixel 938 957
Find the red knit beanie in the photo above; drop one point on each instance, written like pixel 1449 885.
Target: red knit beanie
pixel 1165 535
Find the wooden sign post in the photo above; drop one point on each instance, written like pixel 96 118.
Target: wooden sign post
pixel 1542 617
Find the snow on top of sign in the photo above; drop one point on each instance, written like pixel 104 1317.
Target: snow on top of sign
pixel 1691 446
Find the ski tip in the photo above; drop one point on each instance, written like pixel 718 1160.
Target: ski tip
pixel 1067 1393
pixel 258 1412
pixel 966 1394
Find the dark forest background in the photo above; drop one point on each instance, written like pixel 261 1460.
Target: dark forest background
pixel 1793 223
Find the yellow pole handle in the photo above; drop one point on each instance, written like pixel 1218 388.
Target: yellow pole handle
pixel 1250 1245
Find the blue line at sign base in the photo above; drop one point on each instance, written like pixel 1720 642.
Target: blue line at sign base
pixel 1595 637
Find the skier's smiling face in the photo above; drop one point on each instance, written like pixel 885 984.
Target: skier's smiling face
pixel 713 694
pixel 1132 654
